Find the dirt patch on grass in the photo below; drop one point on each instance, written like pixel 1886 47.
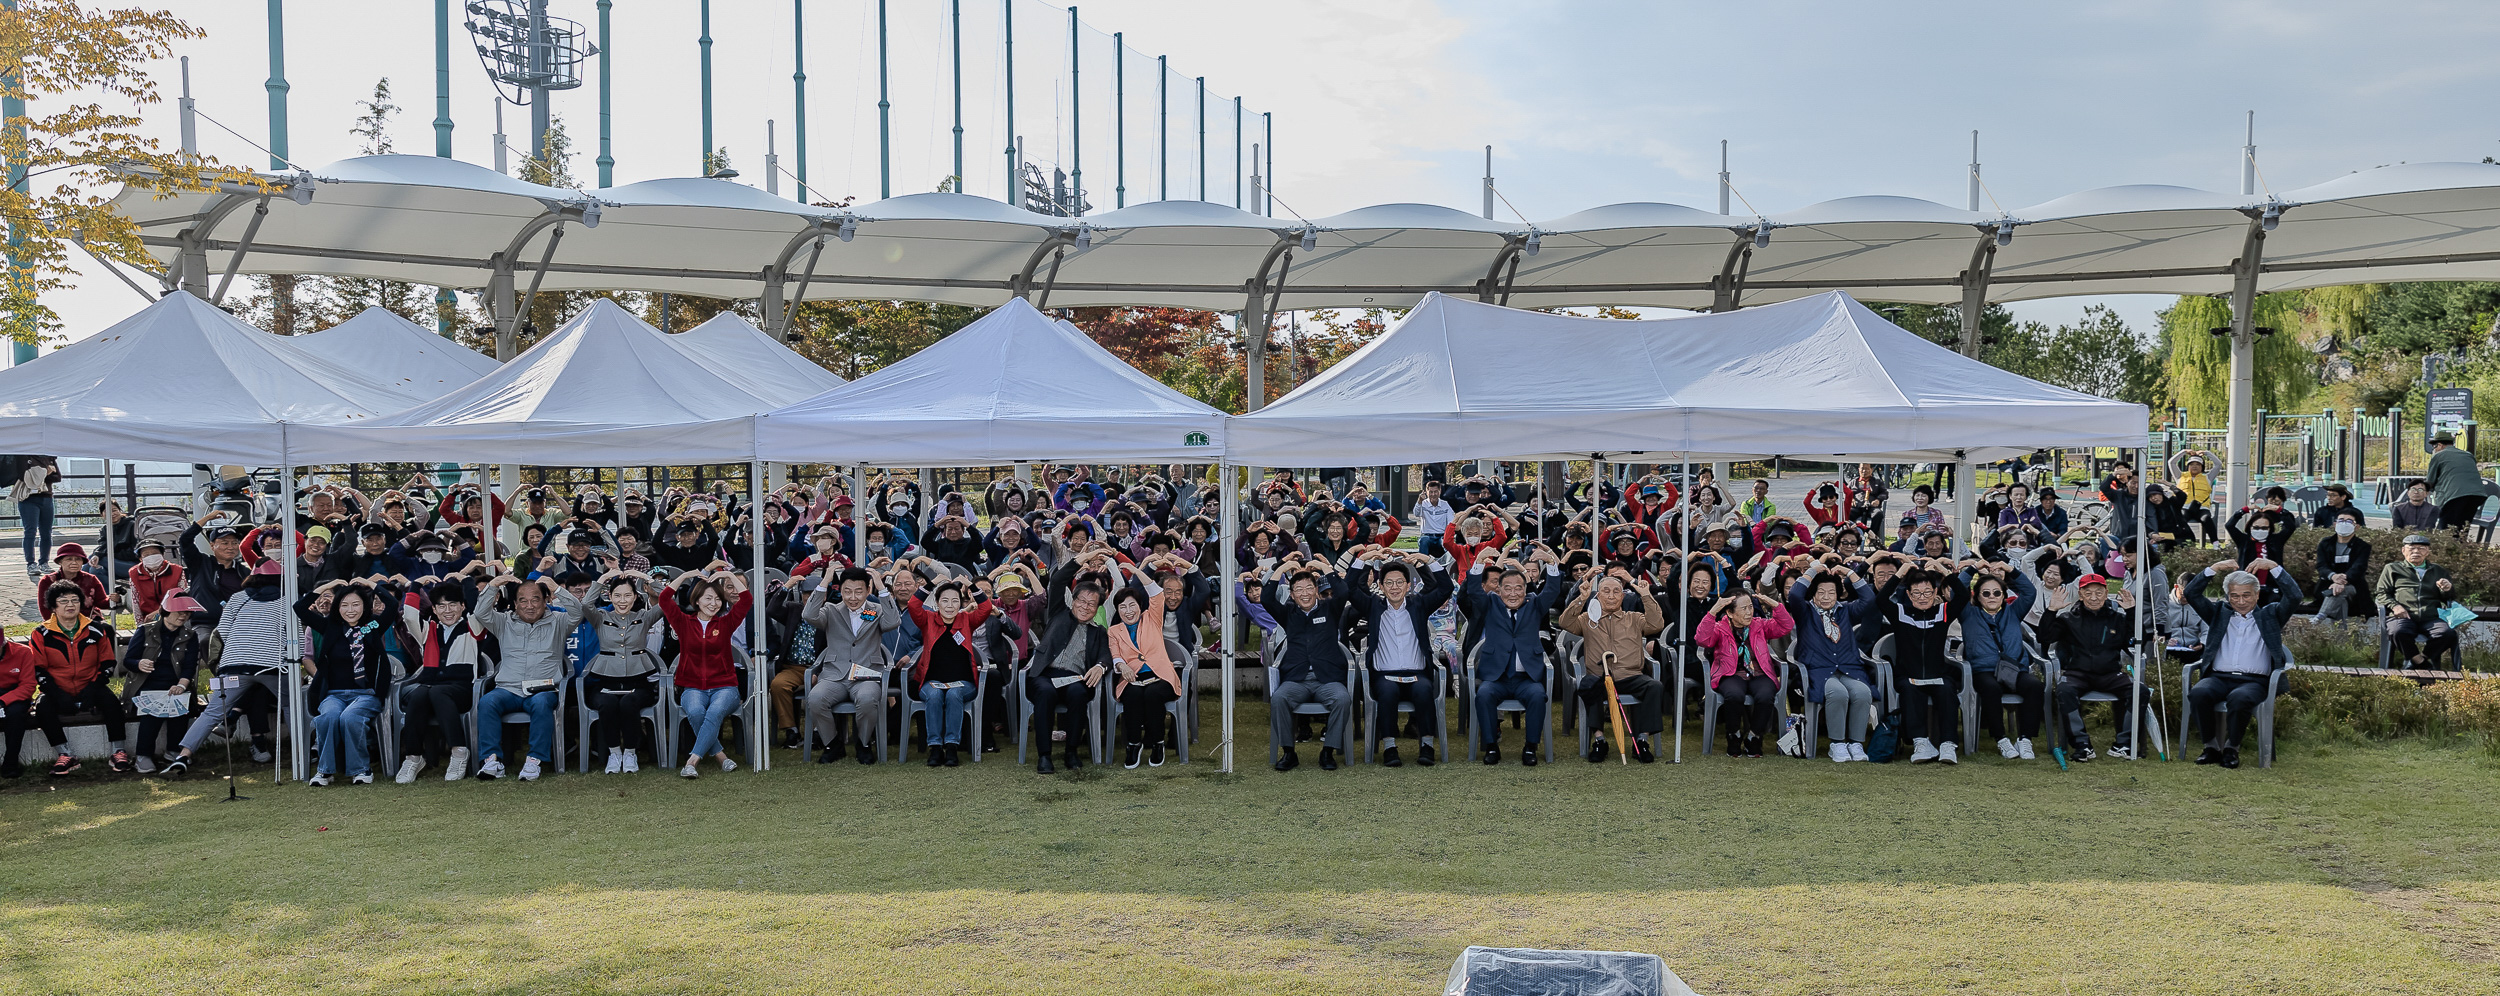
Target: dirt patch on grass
pixel 2463 928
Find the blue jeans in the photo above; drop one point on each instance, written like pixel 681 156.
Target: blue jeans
pixel 504 702
pixel 706 708
pixel 1428 544
pixel 34 515
pixel 946 704
pixel 340 727
pixel 1529 691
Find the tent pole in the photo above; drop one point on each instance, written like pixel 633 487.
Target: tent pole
pixel 1965 495
pixel 756 728
pixel 292 704
pixel 2144 603
pixel 1226 593
pixel 1683 601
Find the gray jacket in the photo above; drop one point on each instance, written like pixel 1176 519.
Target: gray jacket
pixel 624 637
pixel 532 652
pixel 841 646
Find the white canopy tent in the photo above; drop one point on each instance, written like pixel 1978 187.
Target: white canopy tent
pixel 388 346
pixel 729 346
pixel 1014 386
pixel 1820 376
pixel 604 390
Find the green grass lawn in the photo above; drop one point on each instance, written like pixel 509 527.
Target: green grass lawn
pixel 2344 869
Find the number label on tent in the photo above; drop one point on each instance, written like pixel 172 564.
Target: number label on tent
pixel 1194 439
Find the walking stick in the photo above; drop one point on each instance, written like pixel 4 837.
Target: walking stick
pixel 1614 707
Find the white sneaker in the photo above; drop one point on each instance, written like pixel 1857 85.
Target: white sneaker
pixel 458 767
pixel 688 771
pixel 1921 751
pixel 1946 754
pixel 363 779
pixel 2022 748
pixel 1857 752
pixel 408 768
pixel 2006 749
pixel 317 780
pixel 491 770
pixel 144 764
pixel 727 765
pixel 260 756
pixel 632 763
pixel 529 769
pixel 616 760
pixel 1840 752
pixel 2121 753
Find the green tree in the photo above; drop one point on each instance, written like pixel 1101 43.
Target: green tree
pixel 2197 363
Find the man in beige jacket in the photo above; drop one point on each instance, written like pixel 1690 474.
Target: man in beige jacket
pixel 1615 620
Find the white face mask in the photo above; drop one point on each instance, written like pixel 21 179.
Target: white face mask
pixel 2259 534
pixel 431 557
pixel 152 561
pixel 2344 527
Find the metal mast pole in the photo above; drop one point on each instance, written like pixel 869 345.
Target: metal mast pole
pixel 1202 136
pixel 1119 120
pixel 798 87
pixel 1723 181
pixel 956 28
pixel 1488 182
pixel 1236 153
pixel 1267 201
pixel 703 42
pixel 607 155
pixel 1163 128
pixel 1015 183
pixel 885 110
pixel 1076 123
pixel 2248 159
pixel 539 67
pixel 276 85
pixel 442 74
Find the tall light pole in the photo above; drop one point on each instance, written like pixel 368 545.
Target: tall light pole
pixel 798 85
pixel 607 157
pixel 276 85
pixel 1076 121
pixel 703 41
pixel 1119 120
pixel 1202 138
pixel 1015 179
pixel 442 77
pixel 540 64
pixel 1163 128
pixel 956 29
pixel 885 110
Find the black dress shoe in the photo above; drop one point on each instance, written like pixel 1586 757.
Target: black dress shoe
pixel 12 769
pixel 1597 750
pixel 1044 767
pixel 1425 756
pixel 867 754
pixel 828 755
pixel 1072 758
pixel 2230 757
pixel 1327 759
pixel 1287 760
pixel 1389 759
pixel 1528 756
pixel 1642 753
pixel 954 756
pixel 935 754
pixel 1492 755
pixel 2211 755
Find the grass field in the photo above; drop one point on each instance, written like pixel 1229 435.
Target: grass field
pixel 2344 869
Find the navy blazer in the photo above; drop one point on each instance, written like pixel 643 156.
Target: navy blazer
pixel 1508 633
pixel 2268 616
pixel 1421 603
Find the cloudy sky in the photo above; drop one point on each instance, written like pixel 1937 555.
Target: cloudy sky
pixel 1585 103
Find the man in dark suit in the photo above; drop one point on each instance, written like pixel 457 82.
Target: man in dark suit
pixel 1312 667
pixel 1510 660
pixel 1400 661
pixel 2243 649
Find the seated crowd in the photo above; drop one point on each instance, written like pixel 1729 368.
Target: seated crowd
pixel 1076 609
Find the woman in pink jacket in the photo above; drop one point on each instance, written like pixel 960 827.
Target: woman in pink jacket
pixel 1738 634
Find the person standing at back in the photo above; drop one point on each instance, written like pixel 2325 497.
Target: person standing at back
pixel 33 495
pixel 2456 482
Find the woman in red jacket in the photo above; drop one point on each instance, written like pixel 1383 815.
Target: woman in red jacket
pixel 17 696
pixel 946 671
pixel 154 578
pixel 707 671
pixel 73 652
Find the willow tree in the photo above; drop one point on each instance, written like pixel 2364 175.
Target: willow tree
pixel 2198 362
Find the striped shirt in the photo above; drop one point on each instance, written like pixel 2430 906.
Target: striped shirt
pixel 254 633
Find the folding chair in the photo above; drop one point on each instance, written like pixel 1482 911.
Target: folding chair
pixel 1971 706
pixel 807 717
pixel 912 706
pixel 663 733
pixel 1476 748
pixel 1093 717
pixel 1710 711
pixel 2264 713
pixel 1178 707
pixel 2150 720
pixel 1580 707
pixel 1281 728
pixel 2489 517
pixel 1361 677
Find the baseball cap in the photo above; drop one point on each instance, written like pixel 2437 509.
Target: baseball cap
pixel 2089 580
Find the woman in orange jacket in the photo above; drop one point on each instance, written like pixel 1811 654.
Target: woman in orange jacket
pixel 1148 680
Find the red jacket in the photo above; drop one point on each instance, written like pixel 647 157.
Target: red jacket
pixel 932 624
pixel 148 591
pixel 72 660
pixel 704 661
pixel 1717 636
pixel 17 672
pixel 1462 553
pixel 87 583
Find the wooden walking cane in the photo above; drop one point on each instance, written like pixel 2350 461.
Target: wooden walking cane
pixel 1614 707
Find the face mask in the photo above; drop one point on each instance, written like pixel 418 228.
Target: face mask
pixel 2259 534
pixel 152 561
pixel 431 557
pixel 2344 528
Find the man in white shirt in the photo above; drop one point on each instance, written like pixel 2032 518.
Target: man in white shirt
pixel 1432 518
pixel 1399 668
pixel 2243 649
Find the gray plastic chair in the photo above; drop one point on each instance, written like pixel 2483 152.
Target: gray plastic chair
pixel 2149 721
pixel 663 732
pixel 2264 717
pixel 1580 708
pixel 1093 717
pixel 807 717
pixel 1475 748
pixel 1178 707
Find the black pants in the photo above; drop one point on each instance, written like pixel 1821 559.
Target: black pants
pixel 1765 709
pixel 994 705
pixel 13 717
pixel 435 707
pixel 2200 519
pixel 2456 512
pixel 1646 715
pixel 1424 693
pixel 1991 698
pixel 95 698
pixel 2237 694
pixel 1047 700
pixel 1141 711
pixel 619 703
pixel 2408 632
pixel 2071 686
pixel 1931 711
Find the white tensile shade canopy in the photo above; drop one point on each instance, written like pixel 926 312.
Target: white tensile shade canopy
pixel 1016 385
pixel 607 389
pixel 731 347
pixel 1820 376
pixel 401 351
pixel 183 381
